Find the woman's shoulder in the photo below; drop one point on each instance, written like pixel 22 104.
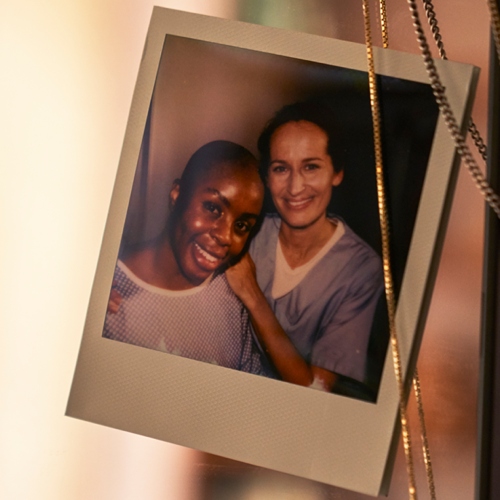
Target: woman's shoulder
pixel 267 234
pixel 270 224
pixel 359 254
pixel 358 242
pixel 219 285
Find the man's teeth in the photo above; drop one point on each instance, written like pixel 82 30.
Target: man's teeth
pixel 206 255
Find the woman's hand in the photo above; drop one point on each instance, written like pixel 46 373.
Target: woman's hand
pixel 242 279
pixel 282 353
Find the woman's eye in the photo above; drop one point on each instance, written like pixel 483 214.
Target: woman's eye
pixel 278 169
pixel 212 207
pixel 242 227
pixel 312 166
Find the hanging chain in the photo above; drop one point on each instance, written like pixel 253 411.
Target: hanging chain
pixel 423 435
pixel 383 25
pixel 436 34
pixel 490 196
pixel 495 24
pixel 482 149
pixel 431 18
pixel 416 380
pixel 384 223
pixel 478 140
pixel 439 93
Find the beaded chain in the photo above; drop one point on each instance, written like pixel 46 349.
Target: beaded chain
pixel 490 196
pixel 482 184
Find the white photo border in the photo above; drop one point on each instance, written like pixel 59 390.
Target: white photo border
pixel 327 438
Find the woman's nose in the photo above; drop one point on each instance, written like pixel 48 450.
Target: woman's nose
pixel 221 231
pixel 295 183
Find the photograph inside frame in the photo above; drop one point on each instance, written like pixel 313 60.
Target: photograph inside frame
pixel 238 306
pixel 252 237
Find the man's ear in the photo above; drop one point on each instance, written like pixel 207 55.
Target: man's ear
pixel 174 193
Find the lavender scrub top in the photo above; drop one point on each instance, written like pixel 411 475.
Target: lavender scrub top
pixel 328 315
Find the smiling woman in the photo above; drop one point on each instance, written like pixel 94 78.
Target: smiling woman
pixel 214 210
pixel 171 289
pixel 313 290
pixel 301 174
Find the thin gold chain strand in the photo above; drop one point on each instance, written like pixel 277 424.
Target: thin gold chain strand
pixel 383 25
pixel 423 434
pixel 489 194
pixel 436 34
pixel 416 380
pixel 495 24
pixel 389 290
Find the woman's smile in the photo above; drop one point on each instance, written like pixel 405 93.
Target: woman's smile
pixel 207 260
pixel 298 204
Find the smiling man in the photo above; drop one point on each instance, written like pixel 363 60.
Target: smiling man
pixel 174 296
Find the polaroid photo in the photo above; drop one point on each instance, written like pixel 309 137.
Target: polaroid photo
pixel 246 140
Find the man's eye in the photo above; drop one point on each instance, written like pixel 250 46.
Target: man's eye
pixel 212 207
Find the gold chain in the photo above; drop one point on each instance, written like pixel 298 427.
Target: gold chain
pixel 389 289
pixel 490 196
pixel 416 380
pixel 383 24
pixel 423 435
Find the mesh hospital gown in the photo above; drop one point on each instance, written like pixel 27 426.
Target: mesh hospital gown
pixel 207 323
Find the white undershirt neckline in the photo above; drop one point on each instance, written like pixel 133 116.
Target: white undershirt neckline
pixel 157 290
pixel 286 278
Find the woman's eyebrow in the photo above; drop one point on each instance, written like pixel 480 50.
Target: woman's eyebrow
pixel 312 158
pixel 227 203
pixel 249 215
pixel 217 193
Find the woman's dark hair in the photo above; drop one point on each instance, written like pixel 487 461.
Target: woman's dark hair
pixel 211 156
pixel 319 112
